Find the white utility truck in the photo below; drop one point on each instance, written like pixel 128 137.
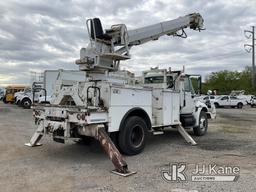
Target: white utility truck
pixel 229 101
pixel 252 101
pixel 18 95
pixel 29 96
pixel 42 91
pixel 240 94
pixel 108 105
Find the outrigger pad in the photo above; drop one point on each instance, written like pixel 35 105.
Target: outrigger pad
pixel 30 145
pixel 124 174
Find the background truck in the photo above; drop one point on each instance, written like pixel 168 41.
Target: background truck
pixel 27 98
pixel 109 106
pixel 252 101
pixel 19 95
pixel 50 81
pixel 229 101
pixel 10 91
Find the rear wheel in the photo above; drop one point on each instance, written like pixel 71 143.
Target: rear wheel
pixel 201 129
pixel 240 105
pixel 217 105
pixel 132 137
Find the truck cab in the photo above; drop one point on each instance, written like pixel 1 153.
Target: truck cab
pixel 181 83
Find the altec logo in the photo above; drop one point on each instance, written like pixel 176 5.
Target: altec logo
pixel 176 173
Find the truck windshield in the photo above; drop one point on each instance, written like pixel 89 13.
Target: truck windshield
pixel 188 85
pixel 155 79
pixel 158 79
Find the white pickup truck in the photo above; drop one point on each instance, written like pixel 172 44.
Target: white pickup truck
pixel 229 101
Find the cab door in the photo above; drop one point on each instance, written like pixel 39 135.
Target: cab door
pixel 233 100
pixel 187 97
pixel 224 101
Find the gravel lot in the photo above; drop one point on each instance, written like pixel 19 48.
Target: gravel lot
pixel 231 140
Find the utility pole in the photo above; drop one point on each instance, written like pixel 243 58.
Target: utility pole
pixel 252 50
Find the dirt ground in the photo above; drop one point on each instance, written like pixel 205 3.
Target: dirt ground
pixel 231 140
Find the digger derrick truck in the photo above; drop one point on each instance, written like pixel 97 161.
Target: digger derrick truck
pixel 108 106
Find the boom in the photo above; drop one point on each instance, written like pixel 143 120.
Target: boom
pixel 106 50
pixel 153 32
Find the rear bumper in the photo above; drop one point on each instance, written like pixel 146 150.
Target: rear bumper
pixel 64 122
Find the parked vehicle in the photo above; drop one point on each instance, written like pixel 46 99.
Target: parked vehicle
pixel 252 101
pixel 10 91
pixel 240 94
pixel 31 95
pixel 19 95
pixel 1 94
pixel 204 98
pixel 229 101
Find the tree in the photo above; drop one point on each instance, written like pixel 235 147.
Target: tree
pixel 225 81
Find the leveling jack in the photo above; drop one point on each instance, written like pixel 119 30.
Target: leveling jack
pixel 99 133
pixel 185 135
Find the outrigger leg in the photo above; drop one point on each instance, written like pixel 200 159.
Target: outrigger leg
pixel 34 141
pixel 186 136
pixel 99 133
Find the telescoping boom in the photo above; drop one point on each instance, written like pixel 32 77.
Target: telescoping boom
pixel 107 49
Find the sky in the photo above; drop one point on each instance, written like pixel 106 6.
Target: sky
pixel 39 35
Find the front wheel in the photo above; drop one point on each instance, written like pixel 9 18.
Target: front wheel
pixel 132 137
pixel 26 103
pixel 4 100
pixel 201 129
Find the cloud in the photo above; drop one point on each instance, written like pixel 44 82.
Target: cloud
pixel 40 35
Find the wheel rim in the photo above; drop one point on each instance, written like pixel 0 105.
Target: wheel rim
pixel 202 124
pixel 26 104
pixel 137 136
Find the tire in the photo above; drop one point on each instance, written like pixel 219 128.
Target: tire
pixel 132 137
pixel 217 105
pixel 4 100
pixel 240 105
pixel 26 103
pixel 203 125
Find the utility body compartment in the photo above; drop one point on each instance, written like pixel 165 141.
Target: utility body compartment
pixel 165 105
